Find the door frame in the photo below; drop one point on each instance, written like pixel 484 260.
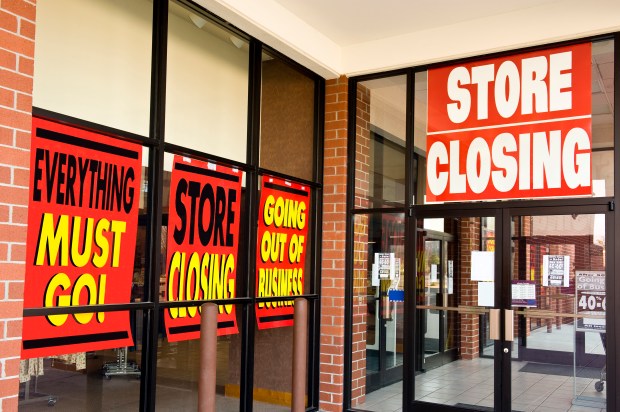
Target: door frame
pixel 503 213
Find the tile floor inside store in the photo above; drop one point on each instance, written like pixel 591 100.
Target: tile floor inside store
pixel 470 382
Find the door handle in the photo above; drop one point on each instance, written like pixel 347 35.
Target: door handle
pixel 494 324
pixel 509 332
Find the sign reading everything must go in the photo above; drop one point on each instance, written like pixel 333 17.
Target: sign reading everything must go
pixel 82 225
pixel 511 127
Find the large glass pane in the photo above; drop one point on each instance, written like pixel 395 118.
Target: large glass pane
pixel 380 142
pixel 93 61
pixel 273 368
pixel 455 288
pixel 178 371
pixel 378 311
pixel 287 119
pixel 85 381
pixel 207 86
pixel 558 291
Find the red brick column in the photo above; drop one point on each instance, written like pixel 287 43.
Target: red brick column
pixel 17 26
pixel 333 265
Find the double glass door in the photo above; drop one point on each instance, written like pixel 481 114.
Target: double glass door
pixel 513 317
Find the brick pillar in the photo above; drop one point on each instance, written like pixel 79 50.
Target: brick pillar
pixel 334 228
pixel 17 26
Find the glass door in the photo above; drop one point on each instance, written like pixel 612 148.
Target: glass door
pixel 558 271
pixel 439 327
pixel 524 304
pixel 456 290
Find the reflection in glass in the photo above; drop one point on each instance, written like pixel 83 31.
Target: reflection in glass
pixel 380 142
pixel 178 370
pixel 93 380
pixel 379 242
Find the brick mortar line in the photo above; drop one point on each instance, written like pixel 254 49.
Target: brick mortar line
pixel 19 16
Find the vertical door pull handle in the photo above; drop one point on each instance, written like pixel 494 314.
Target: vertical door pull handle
pixel 494 324
pixel 509 333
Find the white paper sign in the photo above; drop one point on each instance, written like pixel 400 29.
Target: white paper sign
pixel 483 266
pixel 486 293
pixel 375 275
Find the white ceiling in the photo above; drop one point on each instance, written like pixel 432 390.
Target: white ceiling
pixel 351 37
pixel 348 22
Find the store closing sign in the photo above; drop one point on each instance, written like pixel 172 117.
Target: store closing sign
pixel 82 225
pixel 203 240
pixel 281 249
pixel 511 127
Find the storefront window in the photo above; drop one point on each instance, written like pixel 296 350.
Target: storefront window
pixel 97 71
pixel 178 372
pixel 207 86
pixel 287 119
pixel 380 142
pixel 85 380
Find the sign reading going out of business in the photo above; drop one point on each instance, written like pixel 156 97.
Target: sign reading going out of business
pixel 281 249
pixel 511 127
pixel 82 225
pixel 203 239
pixel 591 300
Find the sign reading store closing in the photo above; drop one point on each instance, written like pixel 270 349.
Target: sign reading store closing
pixel 281 249
pixel 203 239
pixel 512 127
pixel 82 225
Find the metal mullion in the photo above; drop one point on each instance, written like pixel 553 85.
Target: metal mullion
pixel 154 201
pixel 613 378
pixel 348 278
pixel 314 315
pixel 410 234
pixel 503 268
pixel 248 285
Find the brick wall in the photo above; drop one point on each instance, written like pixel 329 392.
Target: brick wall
pixel 17 26
pixel 333 265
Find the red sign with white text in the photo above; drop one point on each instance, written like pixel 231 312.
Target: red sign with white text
pixel 203 239
pixel 281 249
pixel 511 127
pixel 82 225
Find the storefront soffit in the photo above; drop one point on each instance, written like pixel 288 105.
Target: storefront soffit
pixel 366 36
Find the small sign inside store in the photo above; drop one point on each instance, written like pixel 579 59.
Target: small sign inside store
pixel 511 127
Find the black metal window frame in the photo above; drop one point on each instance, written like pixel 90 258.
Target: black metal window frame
pixel 155 142
pixel 410 209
